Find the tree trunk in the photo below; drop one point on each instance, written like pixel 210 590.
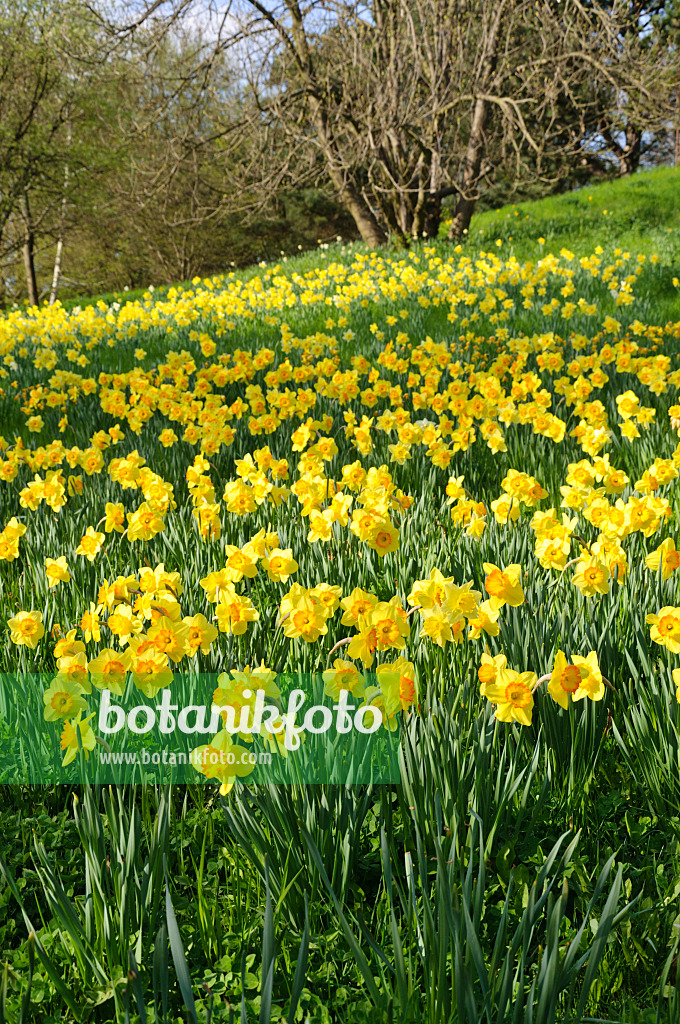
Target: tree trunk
pixel 426 216
pixel 433 217
pixel 474 154
pixel 629 154
pixel 364 218
pixel 57 270
pixel 433 203
pixel 28 250
pixel 60 241
pixel 472 164
pixel 348 192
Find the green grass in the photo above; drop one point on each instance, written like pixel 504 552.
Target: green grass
pixel 640 214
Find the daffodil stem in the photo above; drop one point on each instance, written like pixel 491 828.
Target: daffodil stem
pixel 581 541
pixel 571 760
pixel 340 643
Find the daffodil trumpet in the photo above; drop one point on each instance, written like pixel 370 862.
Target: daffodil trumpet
pixel 547 678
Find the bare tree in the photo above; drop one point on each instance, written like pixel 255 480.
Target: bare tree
pixel 406 99
pixel 397 104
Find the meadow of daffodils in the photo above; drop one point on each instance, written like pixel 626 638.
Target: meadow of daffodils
pixel 443 482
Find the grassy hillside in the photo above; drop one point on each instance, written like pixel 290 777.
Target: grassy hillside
pixel 640 214
pixel 443 481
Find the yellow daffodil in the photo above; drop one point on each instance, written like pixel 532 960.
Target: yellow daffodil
pixel 222 760
pixel 591 577
pixel 234 612
pixel 512 693
pixel 666 628
pixel 665 555
pixel 115 517
pixel 26 629
pixel 592 683
pixel 57 570
pixel 70 734
pixel 201 634
pixel 108 671
pixel 63 699
pixel 488 670
pixel 90 544
pixel 504 584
